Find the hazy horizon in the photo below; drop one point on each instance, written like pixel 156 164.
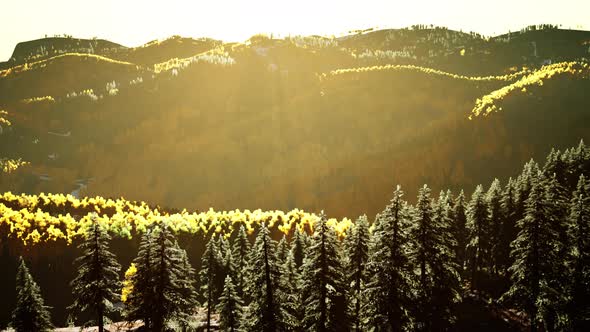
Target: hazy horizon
pixel 134 23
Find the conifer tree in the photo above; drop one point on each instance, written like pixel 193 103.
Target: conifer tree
pixel 460 230
pixel 265 312
pixel 479 240
pixel 389 290
pixel 290 294
pixel 186 286
pixel 298 245
pixel 579 290
pixel 356 247
pixel 438 279
pixel 97 284
pixel 282 250
pixel 535 255
pixel 30 314
pixel 169 279
pixel 139 303
pixel 241 253
pixel 230 308
pixel 323 282
pixel 495 219
pixel 210 270
pixel 508 230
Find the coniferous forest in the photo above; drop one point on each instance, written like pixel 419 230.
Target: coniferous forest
pixel 519 247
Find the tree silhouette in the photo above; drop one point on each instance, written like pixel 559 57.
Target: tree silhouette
pixel 97 285
pixel 30 314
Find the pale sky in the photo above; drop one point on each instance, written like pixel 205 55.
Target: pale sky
pixel 135 22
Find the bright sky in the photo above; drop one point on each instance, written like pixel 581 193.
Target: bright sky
pixel 134 22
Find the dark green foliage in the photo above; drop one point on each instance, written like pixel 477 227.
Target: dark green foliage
pixel 579 290
pixel 210 270
pixel 163 289
pixel 432 255
pixel 241 254
pixel 282 250
pixel 479 235
pixel 508 229
pixel 536 286
pixel 389 296
pixel 30 314
pixel 171 283
pixel 356 247
pixel 230 308
pixel 264 313
pixel 139 302
pixel 323 282
pixel 459 228
pixel 298 245
pixel 495 219
pixel 97 285
pixel 290 294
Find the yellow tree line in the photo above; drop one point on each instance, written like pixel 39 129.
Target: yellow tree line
pixel 52 217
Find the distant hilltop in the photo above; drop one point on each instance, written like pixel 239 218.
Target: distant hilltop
pixel 46 47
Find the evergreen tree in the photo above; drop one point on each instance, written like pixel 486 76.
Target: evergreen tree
pixel 535 255
pixel 460 230
pixel 290 294
pixel 229 308
pixel 30 314
pixel 479 240
pixel 298 245
pixel 169 279
pixel 508 229
pixel 323 282
pixel 241 253
pixel 282 250
pixel 438 279
pixel 357 253
pixel 265 312
pixel 389 290
pixel 97 285
pixel 139 303
pixel 186 286
pixel 495 219
pixel 210 270
pixel 579 290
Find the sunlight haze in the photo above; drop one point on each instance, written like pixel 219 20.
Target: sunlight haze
pixel 134 22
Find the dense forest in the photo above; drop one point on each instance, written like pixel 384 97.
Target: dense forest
pixel 521 248
pixel 305 122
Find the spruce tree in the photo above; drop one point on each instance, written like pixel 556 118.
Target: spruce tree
pixel 323 285
pixel 535 255
pixel 438 279
pixel 282 250
pixel 389 294
pixel 208 273
pixel 241 253
pixel 30 314
pixel 97 285
pixel 356 247
pixel 169 279
pixel 139 303
pixel 229 308
pixel 495 219
pixel 508 230
pixel 460 230
pixel 298 245
pixel 186 287
pixel 579 290
pixel 479 235
pixel 265 312
pixel 290 294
